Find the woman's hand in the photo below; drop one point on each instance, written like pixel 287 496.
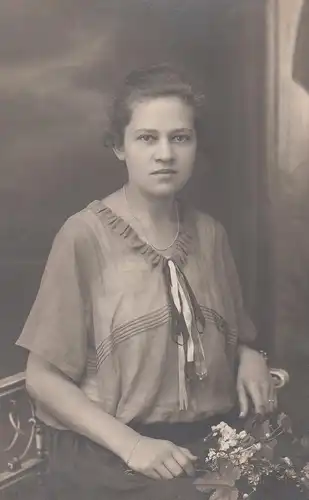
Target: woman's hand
pixel 160 459
pixel 255 382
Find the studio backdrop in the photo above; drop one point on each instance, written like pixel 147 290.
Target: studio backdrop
pixel 59 64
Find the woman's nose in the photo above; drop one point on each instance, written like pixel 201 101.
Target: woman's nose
pixel 164 151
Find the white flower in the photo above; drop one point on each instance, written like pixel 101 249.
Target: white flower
pixel 224 446
pixel 228 433
pixel 244 457
pixel 306 471
pixel 242 435
pixel 218 427
pixel 233 442
pixel 211 453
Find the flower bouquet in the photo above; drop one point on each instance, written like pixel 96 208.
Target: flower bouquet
pixel 264 460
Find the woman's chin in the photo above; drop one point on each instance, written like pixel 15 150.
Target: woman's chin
pixel 165 189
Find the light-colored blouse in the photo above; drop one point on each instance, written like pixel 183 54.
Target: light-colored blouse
pixel 103 317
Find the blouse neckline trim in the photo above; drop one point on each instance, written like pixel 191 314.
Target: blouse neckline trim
pixel 120 226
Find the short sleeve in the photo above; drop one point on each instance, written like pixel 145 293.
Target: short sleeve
pixel 56 328
pixel 246 330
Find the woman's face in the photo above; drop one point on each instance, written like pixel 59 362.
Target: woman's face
pixel 159 145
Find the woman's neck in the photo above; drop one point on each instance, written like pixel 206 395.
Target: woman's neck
pixel 148 208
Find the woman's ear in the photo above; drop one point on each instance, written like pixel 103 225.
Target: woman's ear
pixel 119 152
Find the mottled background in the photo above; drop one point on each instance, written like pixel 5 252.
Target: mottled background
pixel 59 63
pixel 290 195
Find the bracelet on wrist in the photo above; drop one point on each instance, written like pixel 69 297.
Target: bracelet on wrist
pixel 133 449
pixel 260 351
pixel 264 355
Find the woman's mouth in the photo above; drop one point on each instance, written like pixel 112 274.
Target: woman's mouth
pixel 164 171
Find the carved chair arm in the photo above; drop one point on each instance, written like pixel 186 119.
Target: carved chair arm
pixel 280 377
pixel 21 444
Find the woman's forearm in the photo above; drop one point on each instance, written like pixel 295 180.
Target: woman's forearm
pixel 69 405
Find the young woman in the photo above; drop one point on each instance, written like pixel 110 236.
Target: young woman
pixel 138 337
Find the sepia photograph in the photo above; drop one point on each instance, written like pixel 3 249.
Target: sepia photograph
pixel 154 250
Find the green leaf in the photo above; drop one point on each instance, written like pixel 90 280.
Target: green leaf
pixel 305 442
pixel 284 422
pixel 305 482
pixel 227 475
pixel 228 471
pixel 268 450
pixel 225 494
pixel 211 481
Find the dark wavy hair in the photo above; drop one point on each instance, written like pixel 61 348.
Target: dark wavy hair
pixel 156 81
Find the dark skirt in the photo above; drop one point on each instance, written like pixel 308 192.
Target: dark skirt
pixel 80 469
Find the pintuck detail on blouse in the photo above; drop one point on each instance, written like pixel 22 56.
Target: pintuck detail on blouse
pixel 130 329
pixel 105 317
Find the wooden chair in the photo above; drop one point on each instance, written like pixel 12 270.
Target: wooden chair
pixel 23 460
pixel 22 456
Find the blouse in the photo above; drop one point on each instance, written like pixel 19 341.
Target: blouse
pixel 103 316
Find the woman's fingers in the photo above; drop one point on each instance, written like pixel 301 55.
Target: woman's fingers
pixel 243 399
pixel 164 472
pixel 258 397
pixel 272 396
pixel 266 395
pixel 178 463
pixel 154 474
pixel 161 459
pixel 184 459
pixel 188 453
pixel 263 397
pixel 254 381
pixel 174 467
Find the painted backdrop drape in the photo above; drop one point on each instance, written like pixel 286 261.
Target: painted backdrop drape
pixel 59 64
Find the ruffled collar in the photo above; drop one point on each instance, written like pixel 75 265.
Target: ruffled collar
pixel 121 227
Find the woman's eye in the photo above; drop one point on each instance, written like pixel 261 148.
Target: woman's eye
pixel 181 138
pixel 147 138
